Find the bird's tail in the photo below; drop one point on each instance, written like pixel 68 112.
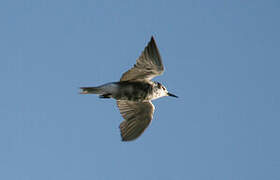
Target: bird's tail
pixel 91 90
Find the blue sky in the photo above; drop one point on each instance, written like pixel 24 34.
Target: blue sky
pixel 221 59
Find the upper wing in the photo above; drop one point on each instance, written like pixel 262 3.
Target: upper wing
pixel 147 66
pixel 137 115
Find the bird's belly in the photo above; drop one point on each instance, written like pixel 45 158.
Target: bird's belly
pixel 132 96
pixel 133 92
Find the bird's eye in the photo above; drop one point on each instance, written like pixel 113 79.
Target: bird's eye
pixel 163 88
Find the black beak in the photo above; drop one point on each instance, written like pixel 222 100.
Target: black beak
pixel 169 94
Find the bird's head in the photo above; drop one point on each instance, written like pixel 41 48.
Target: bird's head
pixel 163 91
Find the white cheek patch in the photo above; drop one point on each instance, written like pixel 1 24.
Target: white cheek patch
pixel 159 93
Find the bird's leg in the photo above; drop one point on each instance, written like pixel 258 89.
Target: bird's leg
pixel 105 96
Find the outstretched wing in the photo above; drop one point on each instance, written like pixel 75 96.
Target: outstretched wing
pixel 148 65
pixel 137 116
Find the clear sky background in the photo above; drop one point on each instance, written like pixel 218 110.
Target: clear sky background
pixel 222 59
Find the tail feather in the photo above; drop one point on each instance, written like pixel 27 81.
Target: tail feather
pixel 90 90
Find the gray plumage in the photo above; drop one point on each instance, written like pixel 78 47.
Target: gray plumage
pixel 134 92
pixel 148 65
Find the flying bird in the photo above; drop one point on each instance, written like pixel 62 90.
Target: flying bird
pixel 134 92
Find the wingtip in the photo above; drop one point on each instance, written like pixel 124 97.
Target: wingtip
pixel 153 43
pixel 127 140
pixel 123 139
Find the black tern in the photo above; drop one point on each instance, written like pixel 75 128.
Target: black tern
pixel 134 92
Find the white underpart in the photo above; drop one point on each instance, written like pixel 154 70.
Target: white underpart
pixel 159 93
